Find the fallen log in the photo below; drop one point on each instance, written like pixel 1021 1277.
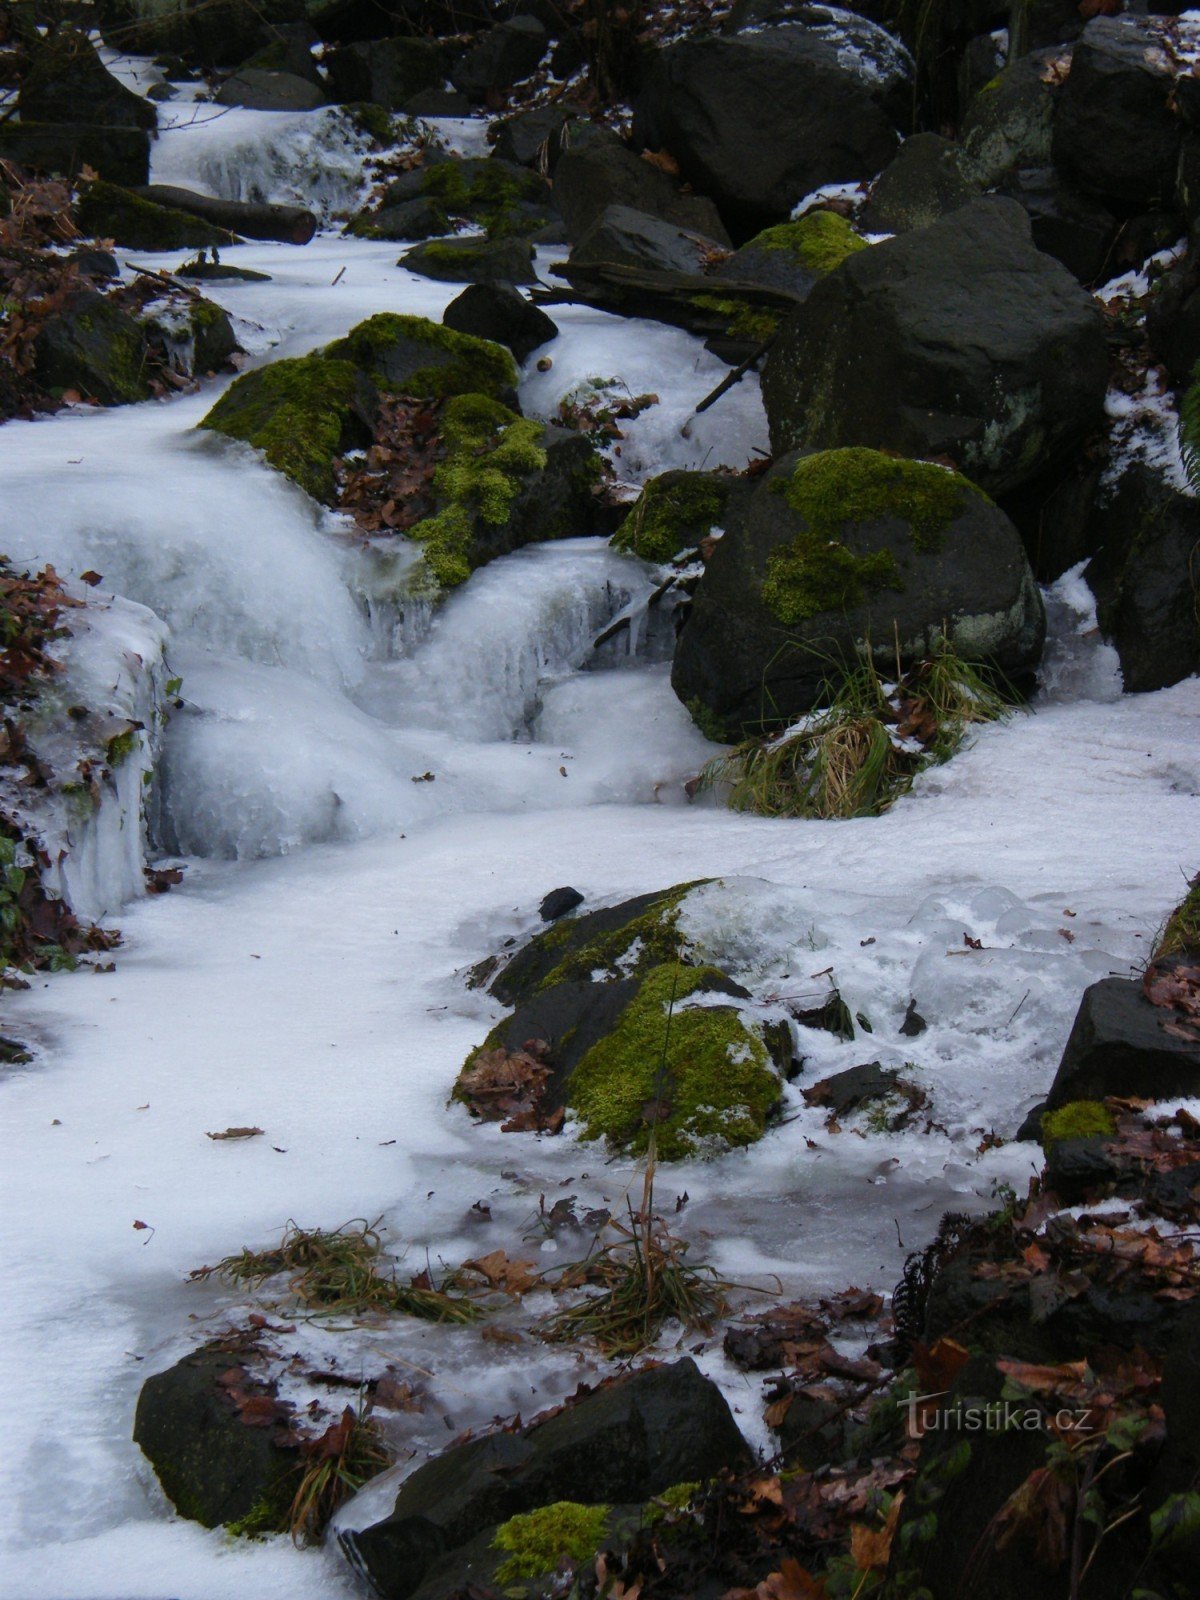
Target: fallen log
pixel 253 219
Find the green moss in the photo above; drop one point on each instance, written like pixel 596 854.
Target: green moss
pixel 1181 932
pixel 670 1502
pixel 816 572
pixel 485 191
pixel 537 1542
pixel 718 1080
pixel 106 211
pixel 1080 1119
pixel 383 348
pixel 819 241
pixel 673 513
pixel 742 320
pixel 636 946
pixel 707 720
pixel 121 746
pixel 297 413
pixel 490 454
pixel 371 120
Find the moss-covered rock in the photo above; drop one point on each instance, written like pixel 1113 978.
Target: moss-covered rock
pixel 472 260
pixel 93 347
pixel 106 211
pixel 413 356
pixel 503 199
pixel 673 512
pixel 301 413
pixel 818 241
pixel 1079 1119
pixel 196 337
pixel 537 1542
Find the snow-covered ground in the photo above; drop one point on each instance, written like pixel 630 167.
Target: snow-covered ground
pixel 303 978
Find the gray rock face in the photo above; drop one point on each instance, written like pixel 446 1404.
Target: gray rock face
pixel 961 341
pixel 622 1444
pixel 1072 227
pixel 532 136
pixel 92 346
pixel 1010 122
pixel 752 662
pixel 624 237
pixel 1121 1044
pixel 596 170
pixel 923 183
pixel 496 311
pixel 760 120
pixel 503 56
pixel 1116 133
pixel 1144 578
pixel 259 90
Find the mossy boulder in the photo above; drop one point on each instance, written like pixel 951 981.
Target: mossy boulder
pixel 1010 122
pixel 66 81
pixel 216 1461
pixel 472 260
pixel 923 183
pixel 518 1558
pixel 301 413
pixel 673 513
pixel 503 199
pixel 66 148
pixel 1078 1119
pixel 640 1033
pixel 386 72
pixel 960 340
pixel 107 211
pixel 196 337
pixel 841 552
pixel 413 356
pixel 93 347
pixel 794 255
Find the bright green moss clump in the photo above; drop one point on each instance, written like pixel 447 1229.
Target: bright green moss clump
pixel 718 1082
pixel 1080 1119
pixel 1182 930
pixel 488 192
pixel 413 356
pixel 490 454
pixel 816 572
pixel 297 413
pixel 538 1541
pixel 673 513
pixel 819 241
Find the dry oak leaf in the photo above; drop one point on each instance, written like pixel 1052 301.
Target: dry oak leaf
pixel 872 1547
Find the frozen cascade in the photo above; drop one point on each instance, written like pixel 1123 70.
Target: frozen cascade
pixel 444 770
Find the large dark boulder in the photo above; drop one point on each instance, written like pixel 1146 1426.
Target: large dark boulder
pixel 533 138
pixel 1116 131
pixel 618 1445
pixel 1010 122
pixel 501 57
pixel 624 237
pixel 1173 319
pixel 1121 1044
pixel 65 81
pixel 122 155
pixel 94 348
pixel 258 89
pixel 595 170
pixel 1147 532
pixel 758 121
pixel 501 198
pixel 1073 227
pixel 386 72
pixel 472 260
pixel 498 312
pixel 923 183
pixel 217 1459
pixel 840 550
pixel 960 340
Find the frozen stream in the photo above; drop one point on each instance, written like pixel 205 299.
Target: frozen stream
pixel 303 977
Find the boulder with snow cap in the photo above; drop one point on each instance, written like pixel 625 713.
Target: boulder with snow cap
pixel 959 341
pixel 844 551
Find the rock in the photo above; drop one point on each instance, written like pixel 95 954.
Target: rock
pixel 413 356
pixel 856 1087
pixel 565 1532
pixel 503 56
pixel 211 33
pixel 1116 134
pixel 1071 227
pixel 214 1467
pixel 793 255
pixel 597 989
pixel 533 138
pixel 759 121
pixel 914 1024
pixel 410 220
pixel 100 265
pixel 674 512
pixel 106 211
pixel 65 81
pixel 496 311
pixel 301 413
pixel 1173 319
pixel 202 271
pixel 1143 576
pixel 596 170
pixel 291 51
pixel 846 546
pixel 1010 123
pixel 259 90
pixel 558 902
pixel 628 238
pixel 503 199
pixel 386 72
pixel 94 347
pixel 196 338
pixel 618 1445
pixel 960 340
pixel 1121 1044
pixel 251 218
pixel 472 260
pixel 920 185
pixel 122 155
pixel 438 103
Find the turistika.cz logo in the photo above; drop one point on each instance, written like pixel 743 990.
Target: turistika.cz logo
pixel 996 1416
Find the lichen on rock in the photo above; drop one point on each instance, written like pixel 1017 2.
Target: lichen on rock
pixel 673 512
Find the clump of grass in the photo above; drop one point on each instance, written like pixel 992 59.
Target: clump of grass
pixel 1181 931
pixel 859 754
pixel 341 1271
pixel 334 1467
